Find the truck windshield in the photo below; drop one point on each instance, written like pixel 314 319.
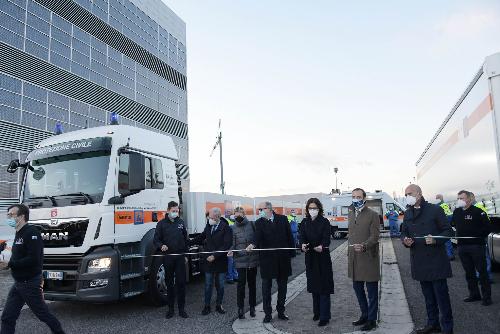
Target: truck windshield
pixel 64 180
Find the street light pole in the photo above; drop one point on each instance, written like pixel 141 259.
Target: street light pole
pixel 219 143
pixel 335 170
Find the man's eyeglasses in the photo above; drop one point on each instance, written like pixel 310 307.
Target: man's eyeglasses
pixel 261 209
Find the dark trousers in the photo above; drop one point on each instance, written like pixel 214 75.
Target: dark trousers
pixel 247 275
pixel 437 300
pixel 219 279
pixel 267 284
pixel 321 306
pixel 473 257
pixel 29 292
pixel 369 307
pixel 175 267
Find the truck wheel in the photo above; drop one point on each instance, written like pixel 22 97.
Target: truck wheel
pixel 343 235
pixel 157 289
pixel 338 235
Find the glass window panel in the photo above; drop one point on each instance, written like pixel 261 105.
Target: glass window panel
pixel 10 114
pixel 37 36
pixel 81 58
pixel 97 113
pixel 13 10
pixel 10 84
pixel 61 23
pixel 61 61
pixel 97 78
pixel 34 106
pixel 81 47
pixel 10 99
pixel 61 36
pixel 38 23
pixel 115 23
pixel 98 45
pixel 39 10
pixel 10 38
pixel 80 70
pixel 34 92
pixel 81 35
pixel 99 56
pixel 58 113
pixel 78 119
pixel 99 68
pixel 58 100
pixel 11 23
pixel 116 55
pixel 114 64
pixel 79 107
pixel 94 123
pixel 36 50
pixel 33 120
pixel 100 13
pixel 60 48
pixel 84 3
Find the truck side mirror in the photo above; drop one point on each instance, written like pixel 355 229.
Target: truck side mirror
pixel 13 166
pixel 136 172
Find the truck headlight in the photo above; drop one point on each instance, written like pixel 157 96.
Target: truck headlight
pixel 99 265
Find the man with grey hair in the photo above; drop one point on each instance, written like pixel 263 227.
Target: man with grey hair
pixel 273 231
pixel 216 237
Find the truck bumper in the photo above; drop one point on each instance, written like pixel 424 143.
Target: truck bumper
pixel 77 284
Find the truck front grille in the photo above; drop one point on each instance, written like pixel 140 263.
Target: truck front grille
pixel 65 234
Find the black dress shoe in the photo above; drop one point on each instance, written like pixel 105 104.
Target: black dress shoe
pixel 219 309
pixel 486 302
pixel 252 311
pixel 472 299
pixel 316 317
pixel 183 314
pixel 267 319
pixel 369 325
pixel 322 323
pixel 241 313
pixel 359 322
pixel 283 316
pixel 206 310
pixel 429 329
pixel 170 313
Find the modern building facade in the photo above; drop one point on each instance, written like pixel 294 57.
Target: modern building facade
pixel 75 62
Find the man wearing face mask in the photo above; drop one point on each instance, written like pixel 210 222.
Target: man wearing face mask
pixel 273 231
pixel 26 266
pixel 471 221
pixel 429 262
pixel 245 262
pixel 363 258
pixel 171 238
pixel 216 237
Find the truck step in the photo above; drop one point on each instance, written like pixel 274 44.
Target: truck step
pixel 130 276
pixel 130 256
pixel 131 294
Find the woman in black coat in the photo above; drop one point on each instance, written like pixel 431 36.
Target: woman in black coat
pixel 315 240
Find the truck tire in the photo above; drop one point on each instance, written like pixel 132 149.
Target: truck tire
pixel 157 290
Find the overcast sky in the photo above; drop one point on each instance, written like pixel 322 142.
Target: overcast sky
pixel 306 86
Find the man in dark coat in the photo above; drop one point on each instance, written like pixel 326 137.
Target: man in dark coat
pixel 315 241
pixel 171 238
pixel 429 262
pixel 217 236
pixel 273 231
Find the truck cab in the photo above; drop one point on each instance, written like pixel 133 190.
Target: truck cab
pixel 96 196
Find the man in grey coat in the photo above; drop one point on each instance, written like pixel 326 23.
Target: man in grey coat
pixel 246 263
pixel 429 262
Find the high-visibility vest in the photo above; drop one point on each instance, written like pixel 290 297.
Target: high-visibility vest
pixel 446 209
pixel 481 206
pixel 230 222
pixel 290 218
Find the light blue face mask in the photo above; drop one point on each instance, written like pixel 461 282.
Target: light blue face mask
pixel 11 222
pixel 262 214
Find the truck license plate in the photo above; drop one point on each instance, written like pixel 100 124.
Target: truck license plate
pixel 54 275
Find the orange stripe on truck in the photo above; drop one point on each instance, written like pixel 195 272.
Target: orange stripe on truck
pixel 137 217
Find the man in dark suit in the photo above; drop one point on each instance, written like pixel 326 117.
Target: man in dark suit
pixel 273 231
pixel 217 238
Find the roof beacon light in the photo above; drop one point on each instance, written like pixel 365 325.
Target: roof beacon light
pixel 59 129
pixel 113 118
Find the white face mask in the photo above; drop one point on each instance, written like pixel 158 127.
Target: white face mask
pixel 212 222
pixel 313 213
pixel 173 214
pixel 411 200
pixel 461 203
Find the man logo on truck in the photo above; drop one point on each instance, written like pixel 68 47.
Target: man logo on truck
pixel 55 236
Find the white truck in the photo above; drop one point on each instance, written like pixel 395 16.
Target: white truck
pixel 96 196
pixel 337 210
pixel 464 153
